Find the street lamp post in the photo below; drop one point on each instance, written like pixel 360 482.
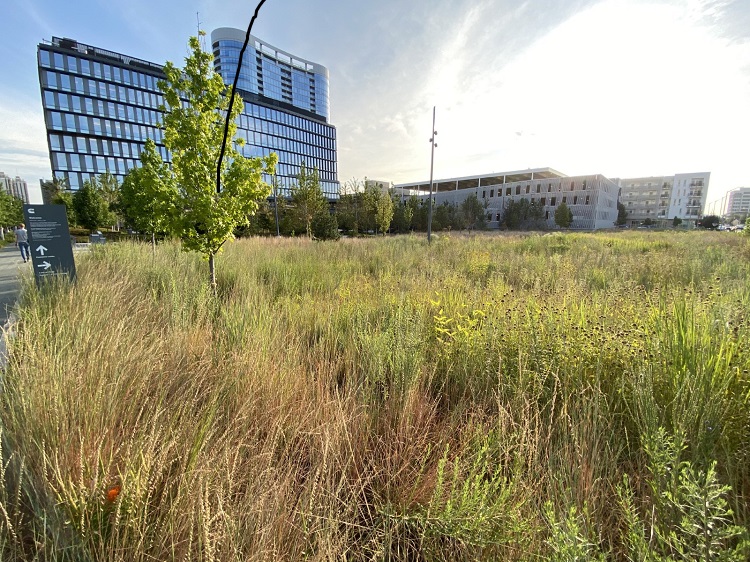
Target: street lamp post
pixel 276 203
pixel 433 146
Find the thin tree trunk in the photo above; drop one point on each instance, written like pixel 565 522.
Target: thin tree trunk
pixel 212 270
pixel 153 244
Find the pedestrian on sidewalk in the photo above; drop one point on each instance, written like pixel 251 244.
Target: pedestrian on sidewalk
pixel 22 241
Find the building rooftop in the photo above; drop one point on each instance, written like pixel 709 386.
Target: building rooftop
pixel 471 182
pixel 73 45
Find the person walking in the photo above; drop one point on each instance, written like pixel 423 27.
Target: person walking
pixel 22 241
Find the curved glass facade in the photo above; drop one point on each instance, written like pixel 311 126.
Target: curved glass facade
pixel 270 72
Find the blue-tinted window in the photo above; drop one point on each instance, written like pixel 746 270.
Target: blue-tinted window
pixel 44 58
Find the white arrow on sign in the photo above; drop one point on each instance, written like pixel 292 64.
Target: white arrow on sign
pixel 41 249
pixel 45 264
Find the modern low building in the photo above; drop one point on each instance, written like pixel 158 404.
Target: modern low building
pixel 16 187
pixel 592 199
pixel 100 107
pixel 662 198
pixel 738 203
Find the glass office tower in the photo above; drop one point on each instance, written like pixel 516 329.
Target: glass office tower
pixel 286 106
pixel 100 107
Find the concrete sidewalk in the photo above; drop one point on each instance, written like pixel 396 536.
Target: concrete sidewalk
pixel 12 269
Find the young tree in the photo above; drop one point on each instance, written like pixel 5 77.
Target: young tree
pixel 472 211
pixel 676 221
pixel 384 211
pixel 441 219
pixel 11 209
pixel 66 198
pixel 403 214
pixel 51 189
pixel 563 216
pixel 419 211
pixel 109 187
pixel 622 214
pixel 710 222
pixel 148 195
pixel 196 103
pixel 90 207
pixel 522 214
pixel 324 226
pixel 307 198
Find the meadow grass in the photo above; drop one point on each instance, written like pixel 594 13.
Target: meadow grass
pixel 557 397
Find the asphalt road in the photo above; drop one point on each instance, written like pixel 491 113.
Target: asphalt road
pixel 12 269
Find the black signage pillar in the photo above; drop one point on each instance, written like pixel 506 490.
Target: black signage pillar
pixel 49 241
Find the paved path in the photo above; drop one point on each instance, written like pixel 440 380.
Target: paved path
pixel 12 269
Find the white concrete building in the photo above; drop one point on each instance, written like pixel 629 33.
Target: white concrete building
pixel 738 203
pixel 592 199
pixel 662 198
pixel 16 187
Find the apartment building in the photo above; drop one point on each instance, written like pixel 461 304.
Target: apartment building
pixel 738 203
pixel 660 199
pixel 16 187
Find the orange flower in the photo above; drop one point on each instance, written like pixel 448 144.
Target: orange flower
pixel 113 492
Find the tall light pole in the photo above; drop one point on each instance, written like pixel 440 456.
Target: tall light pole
pixel 276 203
pixel 433 146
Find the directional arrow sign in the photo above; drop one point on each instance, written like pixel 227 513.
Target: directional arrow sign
pixel 50 238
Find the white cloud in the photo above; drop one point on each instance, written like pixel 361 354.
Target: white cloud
pixel 23 145
pixel 623 88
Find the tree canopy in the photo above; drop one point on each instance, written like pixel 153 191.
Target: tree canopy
pixel 196 102
pixel 622 214
pixel 563 216
pixel 90 207
pixel 308 200
pixel 148 194
pixel 522 214
pixel 709 221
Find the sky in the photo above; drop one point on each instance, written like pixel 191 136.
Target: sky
pixel 623 88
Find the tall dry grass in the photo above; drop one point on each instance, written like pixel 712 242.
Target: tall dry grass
pixel 375 399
